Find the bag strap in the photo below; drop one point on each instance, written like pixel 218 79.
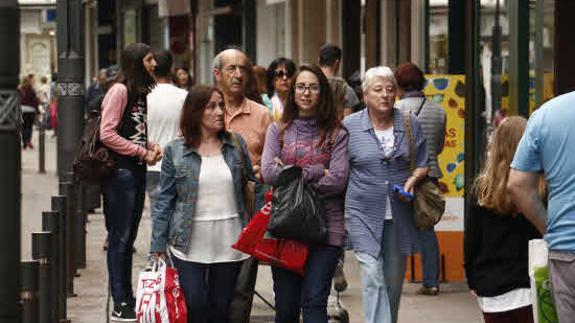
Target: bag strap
pixel 420 107
pixel 241 153
pixel 409 131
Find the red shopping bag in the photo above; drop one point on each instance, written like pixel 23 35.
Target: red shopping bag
pixel 288 254
pixel 159 298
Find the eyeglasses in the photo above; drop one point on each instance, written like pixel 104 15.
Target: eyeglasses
pixel 281 73
pixel 301 88
pixel 232 68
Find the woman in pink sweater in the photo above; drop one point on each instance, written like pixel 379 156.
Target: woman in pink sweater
pixel 123 130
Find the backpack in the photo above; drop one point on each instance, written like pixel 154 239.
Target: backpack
pixel 93 160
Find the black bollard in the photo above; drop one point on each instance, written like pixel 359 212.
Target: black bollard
pixel 80 226
pixel 66 188
pixel 42 148
pixel 42 252
pixel 29 291
pixel 51 223
pixel 59 205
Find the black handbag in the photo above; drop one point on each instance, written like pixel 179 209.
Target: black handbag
pixel 298 212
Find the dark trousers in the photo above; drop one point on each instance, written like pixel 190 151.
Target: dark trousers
pixel 243 298
pixel 518 315
pixel 308 293
pixel 28 119
pixel 208 289
pixel 124 194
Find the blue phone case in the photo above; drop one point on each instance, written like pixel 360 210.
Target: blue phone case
pixel 399 190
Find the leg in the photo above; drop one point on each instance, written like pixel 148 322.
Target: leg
pixel 27 127
pixel 122 216
pixel 523 314
pixel 241 304
pixel 393 266
pixel 375 297
pixel 319 269
pixel 500 317
pixel 561 273
pixel 429 258
pixel 137 216
pixel 222 279
pixel 287 289
pixel 193 281
pixel 152 186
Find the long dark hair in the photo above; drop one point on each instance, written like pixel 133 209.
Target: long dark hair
pixel 325 113
pixel 193 111
pixel 282 61
pixel 132 72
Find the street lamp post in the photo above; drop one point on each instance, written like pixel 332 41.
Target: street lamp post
pixel 70 81
pixel 10 162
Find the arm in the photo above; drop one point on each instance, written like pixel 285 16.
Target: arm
pixel 113 108
pixel 441 142
pixel 164 207
pixel 333 181
pixel 272 150
pixel 471 243
pixel 266 120
pixel 421 158
pixel 522 186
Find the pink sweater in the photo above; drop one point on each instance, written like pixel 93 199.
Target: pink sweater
pixel 112 111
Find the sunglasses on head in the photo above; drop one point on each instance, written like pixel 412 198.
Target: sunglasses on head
pixel 281 73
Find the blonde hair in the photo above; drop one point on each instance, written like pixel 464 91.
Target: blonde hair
pixel 491 183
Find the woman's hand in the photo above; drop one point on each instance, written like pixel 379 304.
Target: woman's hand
pixel 159 255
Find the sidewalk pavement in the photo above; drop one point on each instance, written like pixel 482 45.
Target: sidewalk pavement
pixel 454 304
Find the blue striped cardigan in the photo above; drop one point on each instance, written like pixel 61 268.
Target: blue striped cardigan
pixel 370 181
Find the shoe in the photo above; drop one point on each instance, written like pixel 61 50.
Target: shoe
pixel 105 246
pixel 429 291
pixel 30 145
pixel 339 281
pixel 123 312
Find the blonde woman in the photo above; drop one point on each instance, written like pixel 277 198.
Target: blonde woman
pixel 496 235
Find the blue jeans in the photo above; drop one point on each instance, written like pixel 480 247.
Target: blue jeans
pixel 208 289
pixel 392 262
pixel 375 298
pixel 124 194
pixel 429 257
pixel 153 186
pixel 308 293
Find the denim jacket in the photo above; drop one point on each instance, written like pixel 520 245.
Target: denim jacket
pixel 172 214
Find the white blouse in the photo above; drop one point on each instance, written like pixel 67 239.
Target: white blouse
pixel 216 223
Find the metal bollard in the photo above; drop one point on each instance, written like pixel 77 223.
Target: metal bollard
pixel 42 148
pixel 29 291
pixel 67 189
pixel 51 223
pixel 59 204
pixel 42 252
pixel 80 226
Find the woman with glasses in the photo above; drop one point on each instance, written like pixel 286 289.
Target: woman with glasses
pixel 310 135
pixel 378 220
pixel 279 82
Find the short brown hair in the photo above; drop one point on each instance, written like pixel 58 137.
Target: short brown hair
pixel 192 113
pixel 409 77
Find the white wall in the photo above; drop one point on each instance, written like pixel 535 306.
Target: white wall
pixel 271 32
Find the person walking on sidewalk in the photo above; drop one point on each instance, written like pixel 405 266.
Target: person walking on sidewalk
pixel 432 118
pixel 200 210
pixel 251 120
pixel 546 147
pixel 310 136
pixel 29 107
pixel 379 222
pixel 123 131
pixel 165 104
pixel 280 78
pixel 496 236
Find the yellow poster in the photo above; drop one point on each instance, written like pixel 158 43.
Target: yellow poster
pixel 449 92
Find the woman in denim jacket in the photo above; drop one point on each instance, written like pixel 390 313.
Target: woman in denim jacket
pixel 200 210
